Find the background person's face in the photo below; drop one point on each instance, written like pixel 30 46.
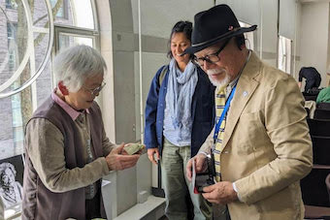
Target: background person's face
pixel 179 43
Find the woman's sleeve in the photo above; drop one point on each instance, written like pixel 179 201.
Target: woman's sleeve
pixel 45 148
pixel 150 135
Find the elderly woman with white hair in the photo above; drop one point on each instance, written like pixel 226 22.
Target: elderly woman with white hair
pixel 67 151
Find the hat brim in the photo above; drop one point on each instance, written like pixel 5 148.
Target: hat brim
pixel 198 47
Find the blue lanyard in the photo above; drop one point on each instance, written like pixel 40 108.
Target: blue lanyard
pixel 217 126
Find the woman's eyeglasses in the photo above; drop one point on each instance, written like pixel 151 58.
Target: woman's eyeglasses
pixel 97 90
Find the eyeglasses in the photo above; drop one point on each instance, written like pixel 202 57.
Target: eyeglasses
pixel 211 58
pixel 97 90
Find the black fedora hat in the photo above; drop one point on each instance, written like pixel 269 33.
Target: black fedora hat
pixel 214 25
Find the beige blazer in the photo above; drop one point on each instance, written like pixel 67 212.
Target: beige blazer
pixel 267 147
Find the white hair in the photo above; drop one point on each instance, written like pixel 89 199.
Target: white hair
pixel 218 83
pixel 73 65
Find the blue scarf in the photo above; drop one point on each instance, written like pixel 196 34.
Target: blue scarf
pixel 180 90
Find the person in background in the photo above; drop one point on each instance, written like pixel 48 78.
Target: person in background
pixel 66 147
pixel 10 189
pixel 324 95
pixel 312 76
pixel 179 114
pixel 261 143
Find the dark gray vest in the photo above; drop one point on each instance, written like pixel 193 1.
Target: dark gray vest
pixel 39 202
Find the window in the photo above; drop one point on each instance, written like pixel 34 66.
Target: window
pixel 24 47
pixel 12 46
pixel 284 54
pixel 62 11
pixel 11 4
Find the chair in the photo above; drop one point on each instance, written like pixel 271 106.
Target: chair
pixel 309 97
pixel 317 212
pixel 321 150
pixel 313 187
pixel 323 105
pixel 327 183
pixel 319 127
pixel 322 114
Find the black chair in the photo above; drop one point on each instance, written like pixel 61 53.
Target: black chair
pixel 317 212
pixel 327 183
pixel 322 114
pixel 319 127
pixel 313 187
pixel 321 150
pixel 309 97
pixel 323 105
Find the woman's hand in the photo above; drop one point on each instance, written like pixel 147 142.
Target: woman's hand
pixel 118 161
pixel 151 153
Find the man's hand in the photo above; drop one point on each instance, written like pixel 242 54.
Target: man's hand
pixel 220 193
pixel 117 161
pixel 151 152
pixel 199 165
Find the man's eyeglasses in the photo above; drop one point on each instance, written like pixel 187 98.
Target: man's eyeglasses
pixel 211 58
pixel 97 90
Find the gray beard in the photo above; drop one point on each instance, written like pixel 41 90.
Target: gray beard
pixel 221 83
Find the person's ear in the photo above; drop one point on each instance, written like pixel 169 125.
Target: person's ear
pixel 63 88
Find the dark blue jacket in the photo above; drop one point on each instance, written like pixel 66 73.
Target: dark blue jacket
pixel 202 112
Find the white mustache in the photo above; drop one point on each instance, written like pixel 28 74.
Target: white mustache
pixel 214 71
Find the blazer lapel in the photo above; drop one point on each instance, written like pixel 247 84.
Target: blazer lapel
pixel 245 88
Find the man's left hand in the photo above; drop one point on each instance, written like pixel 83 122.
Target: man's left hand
pixel 220 193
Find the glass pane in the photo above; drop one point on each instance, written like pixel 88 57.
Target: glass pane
pixel 15 112
pixel 284 54
pixel 44 84
pixel 83 13
pixel 13 43
pixel 73 13
pixel 66 41
pixel 39 14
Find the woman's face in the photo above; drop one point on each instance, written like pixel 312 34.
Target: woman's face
pixel 179 43
pixel 83 99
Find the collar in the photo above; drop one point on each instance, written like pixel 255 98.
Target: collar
pixel 74 114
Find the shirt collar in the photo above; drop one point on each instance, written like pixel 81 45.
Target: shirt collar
pixel 74 114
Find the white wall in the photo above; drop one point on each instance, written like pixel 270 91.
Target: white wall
pixel 314 37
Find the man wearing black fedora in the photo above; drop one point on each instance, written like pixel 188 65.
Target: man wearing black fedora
pixel 260 143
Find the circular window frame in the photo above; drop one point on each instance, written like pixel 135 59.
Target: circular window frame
pixel 29 52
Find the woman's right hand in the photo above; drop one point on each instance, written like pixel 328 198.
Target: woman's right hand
pixel 151 153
